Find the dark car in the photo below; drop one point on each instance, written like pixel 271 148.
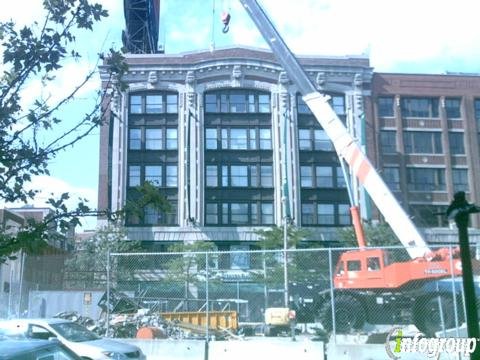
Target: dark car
pixel 32 349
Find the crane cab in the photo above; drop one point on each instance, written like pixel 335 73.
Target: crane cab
pixel 372 269
pixel 361 269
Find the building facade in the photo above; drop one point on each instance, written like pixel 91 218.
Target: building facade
pixel 220 133
pixel 427 127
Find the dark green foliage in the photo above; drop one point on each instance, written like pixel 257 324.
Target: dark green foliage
pixel 187 266
pixel 87 266
pixel 30 135
pixel 376 236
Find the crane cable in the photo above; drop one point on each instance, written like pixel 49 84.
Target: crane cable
pixel 212 41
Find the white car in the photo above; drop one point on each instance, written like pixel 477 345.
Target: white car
pixel 74 336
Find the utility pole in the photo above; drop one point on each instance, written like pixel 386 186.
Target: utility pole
pixel 459 210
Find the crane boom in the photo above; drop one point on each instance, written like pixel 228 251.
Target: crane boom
pixel 345 145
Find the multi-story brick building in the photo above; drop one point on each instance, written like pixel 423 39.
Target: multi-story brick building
pixel 208 128
pixel 427 128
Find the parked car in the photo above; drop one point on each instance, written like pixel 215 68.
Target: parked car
pixel 74 336
pixel 33 349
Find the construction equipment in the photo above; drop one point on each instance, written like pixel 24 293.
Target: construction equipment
pixel 278 320
pixel 368 286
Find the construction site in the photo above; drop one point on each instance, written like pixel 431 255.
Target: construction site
pixel 263 156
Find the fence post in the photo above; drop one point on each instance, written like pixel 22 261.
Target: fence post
pixel 454 294
pixel 107 331
pixel 207 314
pixel 332 294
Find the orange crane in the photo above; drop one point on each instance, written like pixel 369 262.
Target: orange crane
pixel 369 286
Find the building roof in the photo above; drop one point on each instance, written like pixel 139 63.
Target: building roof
pixel 242 53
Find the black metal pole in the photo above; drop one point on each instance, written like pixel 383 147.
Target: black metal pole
pixel 460 211
pixel 467 276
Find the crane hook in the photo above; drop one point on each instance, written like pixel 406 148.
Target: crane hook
pixel 226 21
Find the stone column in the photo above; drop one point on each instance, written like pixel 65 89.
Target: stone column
pixel 283 135
pixel 188 212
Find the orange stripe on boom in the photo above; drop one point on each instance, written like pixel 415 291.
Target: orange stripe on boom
pixel 353 156
pixel 363 170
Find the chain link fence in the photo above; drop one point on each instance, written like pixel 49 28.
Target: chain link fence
pixel 333 291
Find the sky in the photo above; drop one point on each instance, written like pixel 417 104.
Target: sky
pixel 411 36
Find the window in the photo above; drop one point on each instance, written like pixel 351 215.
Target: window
pixel 253 175
pixel 344 217
pixel 265 139
pixel 254 213
pixel 239 175
pixel 238 139
pixel 252 140
pixel 324 176
pixel 225 213
pixel 354 265
pixel 308 217
pixel 153 139
pixel 238 103
pixel 373 264
pixel 477 113
pixel 266 176
pixel 304 139
pixel 239 257
pixel 385 106
pixel 133 175
pixel 211 216
pixel 153 174
pixel 460 180
pixel 251 103
pixel 239 213
pixel 153 104
pixel 172 176
pixel 172 139
pixel 322 142
pixel 302 107
pixel 135 139
pixel 338 104
pixel 341 183
pixel 306 176
pixel 211 139
pixel 225 181
pixel 212 175
pixel 429 215
pixel 151 215
pixel 243 213
pixel 172 103
pixel 267 213
pixel 263 103
pixel 388 142
pixel 456 143
pixel 325 214
pixel 422 142
pixel 419 107
pixel 135 104
pixel 452 108
pixel 211 103
pixel 391 176
pixel 426 179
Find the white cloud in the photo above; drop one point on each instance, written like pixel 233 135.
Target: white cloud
pixel 48 185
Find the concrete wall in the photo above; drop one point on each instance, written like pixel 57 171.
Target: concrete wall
pixel 251 348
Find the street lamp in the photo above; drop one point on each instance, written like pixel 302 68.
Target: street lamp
pixel 459 210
